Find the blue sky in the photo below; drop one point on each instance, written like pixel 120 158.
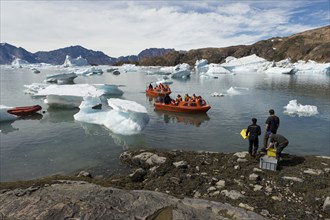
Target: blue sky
pixel 120 28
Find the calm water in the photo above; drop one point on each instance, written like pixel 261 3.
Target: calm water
pixel 54 143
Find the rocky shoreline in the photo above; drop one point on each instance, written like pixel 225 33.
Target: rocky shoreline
pixel 178 185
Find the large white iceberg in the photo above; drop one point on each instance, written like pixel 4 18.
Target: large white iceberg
pixel 71 96
pixel 245 64
pixel 181 71
pixel 311 67
pixel 125 117
pixel 294 108
pixel 4 115
pixel 79 61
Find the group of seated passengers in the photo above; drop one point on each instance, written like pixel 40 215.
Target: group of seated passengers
pixel 195 98
pixel 160 87
pixel 187 98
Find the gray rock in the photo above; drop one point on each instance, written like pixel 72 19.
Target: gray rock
pixel 138 175
pixel 241 154
pixel 84 174
pixel 233 194
pixel 220 184
pixel 242 160
pixel 254 177
pixel 149 159
pixel 89 201
pixel 326 205
pixel 296 179
pixel 181 164
pixel 313 171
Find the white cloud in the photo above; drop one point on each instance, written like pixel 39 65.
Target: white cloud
pixel 123 28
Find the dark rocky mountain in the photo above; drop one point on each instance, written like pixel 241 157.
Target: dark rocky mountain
pixel 9 52
pixel 58 56
pixel 147 53
pixel 308 45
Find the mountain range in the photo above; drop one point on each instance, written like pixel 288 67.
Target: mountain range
pixel 308 45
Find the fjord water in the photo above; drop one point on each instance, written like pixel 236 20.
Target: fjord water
pixel 54 143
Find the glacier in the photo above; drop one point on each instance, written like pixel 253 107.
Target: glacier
pixel 125 118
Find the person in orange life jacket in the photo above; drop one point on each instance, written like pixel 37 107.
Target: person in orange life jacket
pixel 278 141
pixel 272 124
pixel 253 131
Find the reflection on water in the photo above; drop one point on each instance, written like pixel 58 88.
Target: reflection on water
pixel 34 116
pixel 125 141
pixel 188 119
pixel 57 115
pixel 130 141
pixel 7 127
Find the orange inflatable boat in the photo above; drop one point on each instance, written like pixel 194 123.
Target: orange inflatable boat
pixel 24 111
pixel 158 92
pixel 183 106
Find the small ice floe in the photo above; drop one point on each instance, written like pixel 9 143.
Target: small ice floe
pixel 35 70
pixel 236 90
pixel 125 117
pixel 215 94
pixel 165 80
pixel 61 78
pixel 294 108
pixel 4 115
pixel 89 71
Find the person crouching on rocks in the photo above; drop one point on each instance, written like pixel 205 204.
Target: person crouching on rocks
pixel 278 141
pixel 253 131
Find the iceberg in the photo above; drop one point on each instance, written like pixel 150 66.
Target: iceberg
pixel 70 96
pixel 294 108
pixel 279 70
pixel 311 67
pixel 245 64
pixel 236 90
pixel 181 71
pixel 18 63
pixel 89 71
pixel 61 78
pixel 164 81
pixel 4 115
pixel 70 62
pixel 129 68
pixel 125 117
pixel 201 66
pixel 215 69
pixel 301 67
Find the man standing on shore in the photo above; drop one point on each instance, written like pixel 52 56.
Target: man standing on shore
pixel 272 124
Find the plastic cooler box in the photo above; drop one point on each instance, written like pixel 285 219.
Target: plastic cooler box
pixel 268 163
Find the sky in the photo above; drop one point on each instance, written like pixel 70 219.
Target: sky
pixel 121 28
